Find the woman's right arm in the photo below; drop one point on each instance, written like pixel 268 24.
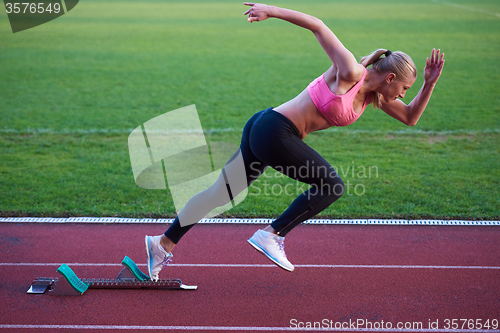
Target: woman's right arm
pixel 349 68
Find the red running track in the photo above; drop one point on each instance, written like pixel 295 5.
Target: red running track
pixel 367 275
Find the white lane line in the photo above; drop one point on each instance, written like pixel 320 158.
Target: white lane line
pixel 20 264
pixel 119 220
pixel 231 328
pixel 408 131
pixel 464 7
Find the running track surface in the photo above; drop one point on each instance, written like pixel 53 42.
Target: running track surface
pixel 357 273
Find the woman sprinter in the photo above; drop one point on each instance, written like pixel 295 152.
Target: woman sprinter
pixel 273 137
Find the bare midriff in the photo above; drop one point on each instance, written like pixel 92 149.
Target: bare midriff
pixel 304 114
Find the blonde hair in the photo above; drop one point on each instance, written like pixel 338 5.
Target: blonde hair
pixel 396 62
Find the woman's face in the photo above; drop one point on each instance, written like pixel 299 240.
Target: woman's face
pixel 395 88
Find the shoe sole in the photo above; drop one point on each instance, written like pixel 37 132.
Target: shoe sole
pixel 268 256
pixel 150 256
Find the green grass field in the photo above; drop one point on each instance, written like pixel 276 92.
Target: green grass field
pixel 73 89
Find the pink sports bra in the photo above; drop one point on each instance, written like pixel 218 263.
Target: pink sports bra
pixel 336 109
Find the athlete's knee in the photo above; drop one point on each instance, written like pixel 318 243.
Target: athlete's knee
pixel 338 188
pixel 333 187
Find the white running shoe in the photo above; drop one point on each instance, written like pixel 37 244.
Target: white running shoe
pixel 157 256
pixel 272 246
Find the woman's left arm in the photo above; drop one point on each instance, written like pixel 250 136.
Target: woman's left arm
pixel 410 114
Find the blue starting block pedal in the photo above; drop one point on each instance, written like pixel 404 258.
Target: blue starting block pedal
pixel 130 277
pixel 131 271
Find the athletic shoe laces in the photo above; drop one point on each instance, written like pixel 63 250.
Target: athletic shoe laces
pixel 281 244
pixel 166 260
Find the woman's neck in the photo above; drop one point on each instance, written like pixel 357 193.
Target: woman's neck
pixel 373 82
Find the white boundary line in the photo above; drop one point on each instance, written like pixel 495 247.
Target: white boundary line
pixel 242 221
pixel 408 131
pixel 464 7
pixel 23 264
pixel 230 328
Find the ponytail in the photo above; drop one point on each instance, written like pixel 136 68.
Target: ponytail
pixel 370 59
pixel 396 62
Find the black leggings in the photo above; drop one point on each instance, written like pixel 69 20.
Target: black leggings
pixel 271 139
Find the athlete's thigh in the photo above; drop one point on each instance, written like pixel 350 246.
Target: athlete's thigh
pixel 244 164
pixel 294 158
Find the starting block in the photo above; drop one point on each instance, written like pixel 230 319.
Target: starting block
pixel 130 277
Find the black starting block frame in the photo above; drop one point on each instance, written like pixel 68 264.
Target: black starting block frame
pixel 130 277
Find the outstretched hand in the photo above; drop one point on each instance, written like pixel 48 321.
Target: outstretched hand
pixel 258 12
pixel 434 67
